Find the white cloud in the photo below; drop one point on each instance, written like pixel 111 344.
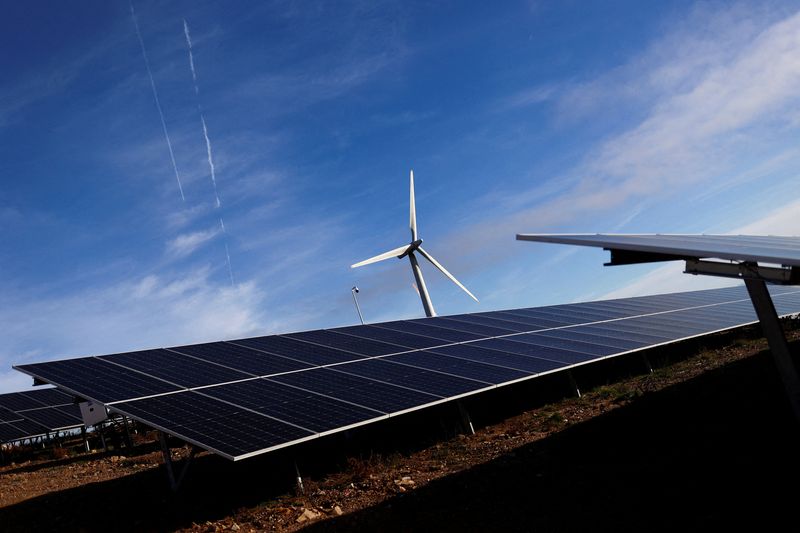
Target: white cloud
pixel 135 314
pixel 185 244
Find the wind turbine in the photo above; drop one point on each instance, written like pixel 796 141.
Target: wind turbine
pixel 409 251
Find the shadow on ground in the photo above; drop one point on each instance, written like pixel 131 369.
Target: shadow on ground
pixel 719 451
pixel 713 452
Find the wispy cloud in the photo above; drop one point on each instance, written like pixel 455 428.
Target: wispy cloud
pixel 185 244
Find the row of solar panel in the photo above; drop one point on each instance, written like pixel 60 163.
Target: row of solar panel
pixel 36 412
pixel 278 395
pixel 220 362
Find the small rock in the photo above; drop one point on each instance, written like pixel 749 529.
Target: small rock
pixel 235 527
pixel 337 510
pixel 308 514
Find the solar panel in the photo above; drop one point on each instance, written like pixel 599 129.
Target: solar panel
pixel 778 250
pixel 243 397
pixel 36 412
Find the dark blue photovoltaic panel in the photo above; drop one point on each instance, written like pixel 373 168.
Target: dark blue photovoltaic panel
pixel 307 352
pixel 346 342
pixel 17 401
pixel 418 328
pixel 616 344
pixel 54 418
pixel 254 362
pixel 604 330
pixel 561 355
pixel 509 327
pixel 360 391
pixel 523 363
pixel 20 429
pixel 460 367
pixel 8 416
pixel 48 396
pixel 105 381
pixel 434 383
pixel 483 331
pixel 305 409
pixel 176 368
pixel 533 322
pixel 406 340
pixel 540 340
pixel 226 429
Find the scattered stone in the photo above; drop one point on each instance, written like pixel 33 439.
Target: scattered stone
pixel 235 527
pixel 308 514
pixel 337 510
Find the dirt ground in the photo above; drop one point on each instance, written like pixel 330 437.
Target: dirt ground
pixel 707 442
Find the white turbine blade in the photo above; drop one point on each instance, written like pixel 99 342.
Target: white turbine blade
pixel 387 255
pixel 444 271
pixel 413 211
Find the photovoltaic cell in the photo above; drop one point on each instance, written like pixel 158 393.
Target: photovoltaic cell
pixel 212 424
pixel 413 378
pixel 176 368
pixel 100 380
pixel 247 360
pixel 397 338
pixel 361 391
pixel 307 352
pixel 303 408
pixel 346 342
pixel 444 334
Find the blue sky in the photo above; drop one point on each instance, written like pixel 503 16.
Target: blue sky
pixel 519 117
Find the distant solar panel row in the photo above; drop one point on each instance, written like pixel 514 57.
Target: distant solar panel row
pixel 37 412
pixel 244 397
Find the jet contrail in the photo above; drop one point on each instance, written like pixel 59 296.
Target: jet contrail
pixel 158 102
pixel 191 57
pixel 209 153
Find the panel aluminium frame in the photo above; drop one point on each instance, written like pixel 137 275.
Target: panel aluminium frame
pixel 733 299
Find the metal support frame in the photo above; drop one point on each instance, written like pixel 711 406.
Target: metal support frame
pixel 744 270
pixel 573 383
pixel 174 483
pixel 773 331
pixel 128 440
pixel 299 479
pixel 465 418
pixel 85 439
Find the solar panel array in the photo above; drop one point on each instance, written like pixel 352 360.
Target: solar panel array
pixel 36 412
pixel 249 396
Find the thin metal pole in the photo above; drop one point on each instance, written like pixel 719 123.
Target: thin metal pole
pixel 354 290
pixel 765 309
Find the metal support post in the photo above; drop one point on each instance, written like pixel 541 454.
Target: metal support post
pixel 85 440
pixel 299 479
pixel 174 483
pixel 573 383
pixel 647 363
pixel 465 419
pixel 128 441
pixel 771 325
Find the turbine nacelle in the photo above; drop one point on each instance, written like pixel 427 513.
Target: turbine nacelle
pixel 408 251
pixel 411 247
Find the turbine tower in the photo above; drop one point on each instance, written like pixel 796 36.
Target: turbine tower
pixel 409 250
